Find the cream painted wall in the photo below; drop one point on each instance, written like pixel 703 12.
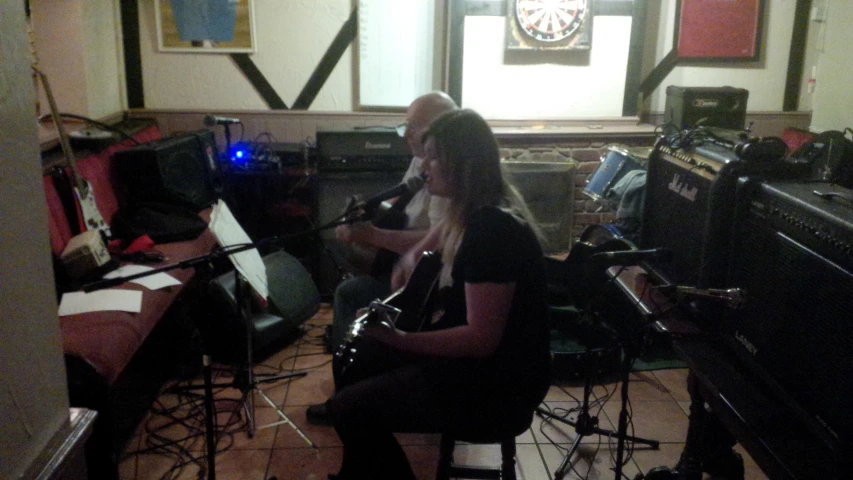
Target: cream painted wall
pixel 765 79
pixel 292 36
pixel 33 387
pixel 79 48
pixel 833 98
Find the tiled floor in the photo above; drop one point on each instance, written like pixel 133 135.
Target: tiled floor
pixel 162 450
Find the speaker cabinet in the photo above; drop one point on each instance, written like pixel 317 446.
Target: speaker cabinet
pixel 793 256
pixel 688 208
pixel 334 189
pixel 688 107
pixel 182 169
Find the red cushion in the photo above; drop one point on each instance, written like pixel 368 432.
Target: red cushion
pixel 108 340
pixel 97 169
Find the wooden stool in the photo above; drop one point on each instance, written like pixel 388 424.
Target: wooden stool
pixel 447 469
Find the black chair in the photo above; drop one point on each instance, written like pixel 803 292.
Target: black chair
pixel 293 299
pixel 503 433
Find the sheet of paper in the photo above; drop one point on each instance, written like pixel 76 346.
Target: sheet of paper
pixel 151 282
pixel 249 263
pixel 102 300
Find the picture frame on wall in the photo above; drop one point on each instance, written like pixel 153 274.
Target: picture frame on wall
pixel 719 30
pixel 549 25
pixel 205 26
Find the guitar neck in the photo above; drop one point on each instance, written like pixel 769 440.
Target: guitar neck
pixel 64 143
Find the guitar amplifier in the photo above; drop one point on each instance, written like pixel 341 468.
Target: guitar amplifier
pixel 689 204
pixel 374 149
pixel 181 169
pixel 793 256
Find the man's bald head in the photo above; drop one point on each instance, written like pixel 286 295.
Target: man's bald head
pixel 420 114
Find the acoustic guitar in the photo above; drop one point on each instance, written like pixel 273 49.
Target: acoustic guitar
pixel 409 309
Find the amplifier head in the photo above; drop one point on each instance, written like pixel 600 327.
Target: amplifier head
pixel 362 149
pixel 688 107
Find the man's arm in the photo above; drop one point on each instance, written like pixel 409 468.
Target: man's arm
pixel 398 241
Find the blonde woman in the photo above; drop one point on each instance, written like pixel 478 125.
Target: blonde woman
pixel 486 358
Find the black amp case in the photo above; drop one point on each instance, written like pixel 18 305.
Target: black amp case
pixel 793 256
pixel 364 149
pixel 688 107
pixel 689 205
pixel 180 169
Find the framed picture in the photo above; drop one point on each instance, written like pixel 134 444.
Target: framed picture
pixel 205 26
pixel 549 25
pixel 724 30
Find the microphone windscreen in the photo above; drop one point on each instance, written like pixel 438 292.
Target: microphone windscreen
pixel 210 120
pixel 415 183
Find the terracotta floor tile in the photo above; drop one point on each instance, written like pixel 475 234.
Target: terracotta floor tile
pixel 321 436
pixel 675 380
pixel 661 421
pixel 304 463
pixel 659 404
pixel 591 461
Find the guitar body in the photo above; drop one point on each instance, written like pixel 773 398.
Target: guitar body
pixel 409 309
pixel 89 209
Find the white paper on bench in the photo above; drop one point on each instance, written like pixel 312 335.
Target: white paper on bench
pixel 102 300
pixel 151 282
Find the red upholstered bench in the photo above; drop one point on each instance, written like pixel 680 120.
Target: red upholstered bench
pixel 100 346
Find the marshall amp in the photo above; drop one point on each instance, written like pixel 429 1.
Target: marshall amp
pixel 690 198
pixel 689 204
pixel 793 257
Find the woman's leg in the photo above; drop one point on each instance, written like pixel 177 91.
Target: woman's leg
pixel 366 415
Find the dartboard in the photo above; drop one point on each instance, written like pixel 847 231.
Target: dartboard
pixel 550 20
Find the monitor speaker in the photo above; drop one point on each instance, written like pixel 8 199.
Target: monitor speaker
pixel 688 107
pixel 182 169
pixel 793 256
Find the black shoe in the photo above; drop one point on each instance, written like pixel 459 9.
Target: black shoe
pixel 318 415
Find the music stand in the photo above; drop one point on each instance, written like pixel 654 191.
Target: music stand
pixel 246 380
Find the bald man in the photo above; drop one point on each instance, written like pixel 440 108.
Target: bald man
pixel 422 211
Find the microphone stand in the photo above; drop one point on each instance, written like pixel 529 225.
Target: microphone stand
pixel 250 384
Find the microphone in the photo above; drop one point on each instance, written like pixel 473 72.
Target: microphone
pixel 211 121
pixel 734 297
pixel 411 186
pixel 629 258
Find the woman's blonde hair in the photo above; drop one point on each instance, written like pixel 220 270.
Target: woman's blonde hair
pixel 469 156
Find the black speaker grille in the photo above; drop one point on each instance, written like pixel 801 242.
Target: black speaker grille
pixel 688 209
pixel 796 320
pixel 174 170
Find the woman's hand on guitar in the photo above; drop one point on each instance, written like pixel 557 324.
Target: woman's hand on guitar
pixel 383 331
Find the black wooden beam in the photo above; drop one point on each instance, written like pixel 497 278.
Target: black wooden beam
pixel 797 56
pixel 658 73
pixel 630 100
pixel 259 81
pixel 132 56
